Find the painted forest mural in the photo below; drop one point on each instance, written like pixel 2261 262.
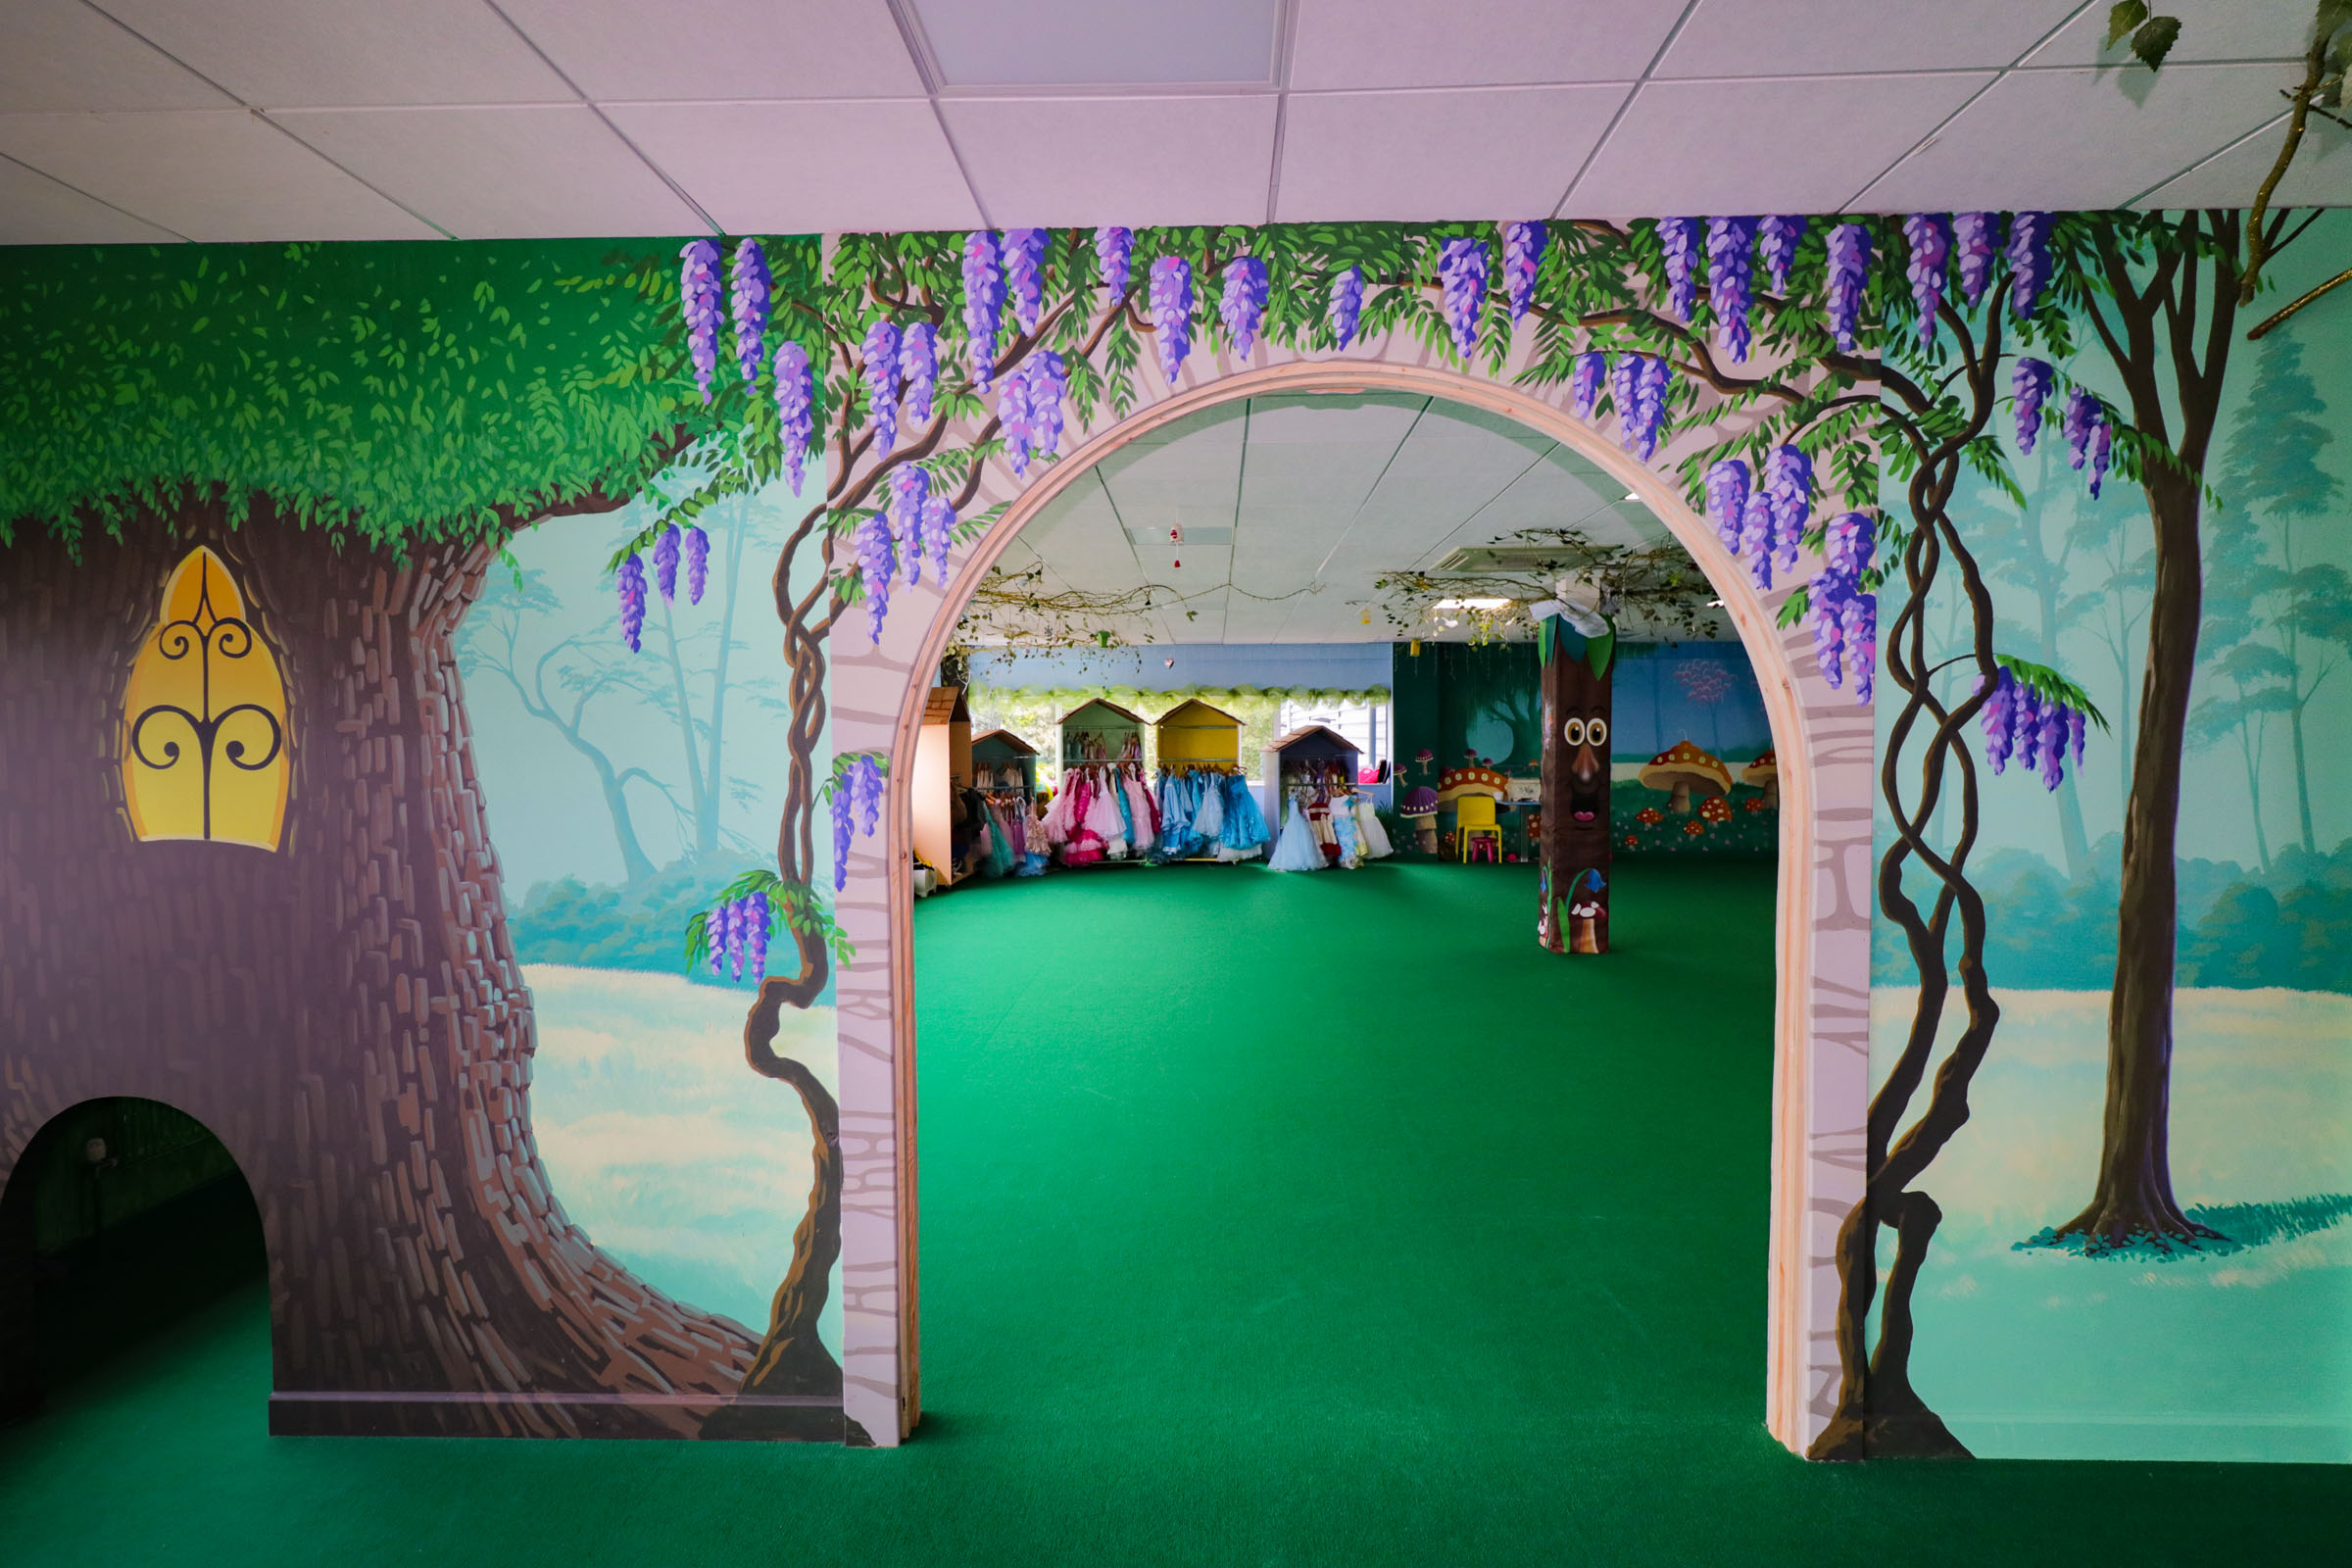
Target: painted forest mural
pixel 552 1108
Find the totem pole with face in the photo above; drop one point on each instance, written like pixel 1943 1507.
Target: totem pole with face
pixel 1575 838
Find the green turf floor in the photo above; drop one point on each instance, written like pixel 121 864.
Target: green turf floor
pixel 1265 1220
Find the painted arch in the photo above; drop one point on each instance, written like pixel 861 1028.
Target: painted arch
pixel 1821 1023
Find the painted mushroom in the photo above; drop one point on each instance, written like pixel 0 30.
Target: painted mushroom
pixel 1765 775
pixel 1421 809
pixel 1683 768
pixel 1715 808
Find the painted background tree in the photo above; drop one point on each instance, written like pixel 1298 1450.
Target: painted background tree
pixel 355 432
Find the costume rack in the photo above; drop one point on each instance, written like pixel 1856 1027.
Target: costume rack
pixel 1310 783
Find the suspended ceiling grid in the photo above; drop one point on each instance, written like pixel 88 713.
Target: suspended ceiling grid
pixel 260 120
pixel 1291 507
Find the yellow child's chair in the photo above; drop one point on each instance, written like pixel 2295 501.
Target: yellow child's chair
pixel 1473 821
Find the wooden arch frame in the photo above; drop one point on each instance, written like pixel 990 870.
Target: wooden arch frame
pixel 1821 1040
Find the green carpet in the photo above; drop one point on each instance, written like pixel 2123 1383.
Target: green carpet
pixel 1266 1220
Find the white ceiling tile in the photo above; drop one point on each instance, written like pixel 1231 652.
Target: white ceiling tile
pixel 709 49
pixel 1132 160
pixel 1325 417
pixel 2320 177
pixel 280 54
pixel 2210 29
pixel 1460 421
pixel 60 54
pixel 36 210
pixel 1474 43
pixel 1435 156
pixel 1695 147
pixel 208 173
pixel 2138 128
pixel 754 167
pixel 1085 43
pixel 1813 38
pixel 538 172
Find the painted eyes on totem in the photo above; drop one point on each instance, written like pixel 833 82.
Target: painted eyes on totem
pixel 1582 732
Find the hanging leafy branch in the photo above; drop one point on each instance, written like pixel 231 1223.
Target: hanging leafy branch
pixel 2150 37
pixel 1655 583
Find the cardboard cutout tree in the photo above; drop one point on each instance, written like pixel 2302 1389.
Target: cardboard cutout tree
pixel 1573 880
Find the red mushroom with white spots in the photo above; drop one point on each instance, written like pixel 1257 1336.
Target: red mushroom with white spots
pixel 1683 770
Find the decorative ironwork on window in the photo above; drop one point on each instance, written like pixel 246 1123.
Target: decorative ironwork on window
pixel 204 718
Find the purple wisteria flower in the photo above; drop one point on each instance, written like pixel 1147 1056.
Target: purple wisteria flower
pixel 1777 239
pixel 665 563
pixel 1678 239
pixel 1049 383
pixel 629 584
pixel 1931 239
pixel 750 294
pixel 1026 274
pixel 1977 239
pixel 1172 313
pixel 1522 259
pixel 1585 377
pixel 938 533
pixel 1788 488
pixel 1731 280
pixel 909 488
pixel 698 563
pixel 795 405
pixel 2087 435
pixel 1243 304
pixel 880 354
pixel 1114 257
pixel 1727 487
pixel 1848 273
pixel 876 561
pixel 698 297
pixel 918 369
pixel 2029 259
pixel 2030 382
pixel 1347 304
pixel 1462 290
pixel 983 303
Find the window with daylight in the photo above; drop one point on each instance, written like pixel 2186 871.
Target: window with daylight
pixel 204 718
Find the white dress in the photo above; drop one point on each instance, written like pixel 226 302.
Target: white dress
pixel 1375 837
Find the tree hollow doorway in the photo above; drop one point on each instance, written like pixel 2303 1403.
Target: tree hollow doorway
pixel 122 1218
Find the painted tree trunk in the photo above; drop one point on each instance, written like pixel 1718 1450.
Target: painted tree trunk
pixel 2134 1192
pixel 1575 845
pixel 345 1012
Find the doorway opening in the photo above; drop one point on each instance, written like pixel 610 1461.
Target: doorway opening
pixel 122 1218
pixel 1353 1134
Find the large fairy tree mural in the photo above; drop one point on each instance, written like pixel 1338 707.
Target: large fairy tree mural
pixel 355 432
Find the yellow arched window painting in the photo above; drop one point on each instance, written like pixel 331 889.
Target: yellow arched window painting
pixel 204 718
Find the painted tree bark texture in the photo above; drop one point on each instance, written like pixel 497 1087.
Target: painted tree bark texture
pixel 346 1013
pixel 1575 836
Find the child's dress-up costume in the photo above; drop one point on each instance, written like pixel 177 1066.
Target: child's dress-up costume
pixel 1243 836
pixel 1376 838
pixel 1297 849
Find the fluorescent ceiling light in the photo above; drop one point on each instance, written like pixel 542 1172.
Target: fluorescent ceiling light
pixel 1098 44
pixel 1474 604
pixel 1631 496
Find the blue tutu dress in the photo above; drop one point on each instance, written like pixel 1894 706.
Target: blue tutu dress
pixel 1244 833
